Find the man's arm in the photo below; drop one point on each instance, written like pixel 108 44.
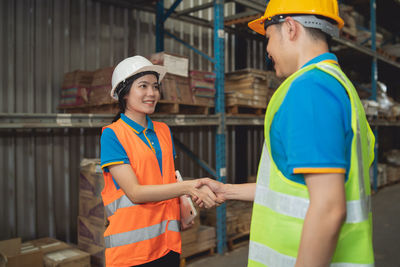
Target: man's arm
pixel 324 218
pixel 245 192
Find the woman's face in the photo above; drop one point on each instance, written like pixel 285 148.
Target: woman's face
pixel 143 95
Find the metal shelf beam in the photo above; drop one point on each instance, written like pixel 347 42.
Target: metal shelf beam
pixel 37 120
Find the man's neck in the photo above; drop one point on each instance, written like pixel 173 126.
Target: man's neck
pixel 311 51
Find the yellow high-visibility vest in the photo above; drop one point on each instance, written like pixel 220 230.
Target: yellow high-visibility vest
pixel 280 204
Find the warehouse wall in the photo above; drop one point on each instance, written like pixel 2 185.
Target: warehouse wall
pixel 43 39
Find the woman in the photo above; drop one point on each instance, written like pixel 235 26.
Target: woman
pixel 140 192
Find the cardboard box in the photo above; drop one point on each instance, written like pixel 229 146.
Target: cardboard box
pixel 177 89
pixel 202 75
pixel 11 254
pixel 70 257
pixel 97 257
pixel 100 95
pixel 177 65
pixel 102 76
pixel 92 208
pixel 46 245
pixel 91 181
pixel 91 231
pixel 77 78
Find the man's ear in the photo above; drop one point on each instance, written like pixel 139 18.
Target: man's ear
pixel 292 28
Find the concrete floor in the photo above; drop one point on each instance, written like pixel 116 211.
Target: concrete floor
pixel 386 217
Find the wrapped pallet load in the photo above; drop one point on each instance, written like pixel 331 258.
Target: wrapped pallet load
pixel 101 87
pixel 75 88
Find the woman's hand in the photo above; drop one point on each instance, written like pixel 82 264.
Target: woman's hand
pixel 186 226
pixel 203 197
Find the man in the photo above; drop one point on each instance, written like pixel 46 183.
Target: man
pixel 312 196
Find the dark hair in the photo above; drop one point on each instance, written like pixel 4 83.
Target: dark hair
pixel 124 87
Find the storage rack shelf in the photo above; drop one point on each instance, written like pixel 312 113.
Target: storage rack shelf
pixel 37 121
pixel 10 121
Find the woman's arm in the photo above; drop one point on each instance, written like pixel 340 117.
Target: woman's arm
pixel 127 180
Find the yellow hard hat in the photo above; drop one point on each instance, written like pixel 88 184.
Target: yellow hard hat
pixel 325 8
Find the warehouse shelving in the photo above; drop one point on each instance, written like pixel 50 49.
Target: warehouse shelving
pixel 63 120
pixel 220 120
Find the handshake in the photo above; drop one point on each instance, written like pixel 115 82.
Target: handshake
pixel 207 193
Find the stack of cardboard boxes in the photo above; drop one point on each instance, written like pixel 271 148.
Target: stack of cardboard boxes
pixel 175 86
pixel 47 252
pixel 92 219
pixel 202 84
pixel 101 87
pixel 250 88
pixel 75 88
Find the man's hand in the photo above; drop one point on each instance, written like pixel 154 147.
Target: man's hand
pixel 217 187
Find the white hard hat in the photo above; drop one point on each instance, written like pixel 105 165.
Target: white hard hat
pixel 131 66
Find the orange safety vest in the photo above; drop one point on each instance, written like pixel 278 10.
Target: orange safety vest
pixel 141 232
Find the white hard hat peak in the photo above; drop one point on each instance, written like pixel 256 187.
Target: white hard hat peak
pixel 131 66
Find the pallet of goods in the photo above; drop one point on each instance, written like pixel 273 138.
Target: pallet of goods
pixel 100 88
pixel 197 241
pixel 202 84
pixel 392 51
pixel 92 219
pixel 348 14
pixel 249 90
pixel 393 166
pixel 47 252
pixel 75 88
pixel 94 97
pixel 176 93
pixel 238 219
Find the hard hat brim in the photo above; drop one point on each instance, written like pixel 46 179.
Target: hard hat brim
pixel 161 70
pixel 257 25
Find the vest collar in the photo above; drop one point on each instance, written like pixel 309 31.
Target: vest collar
pixel 137 128
pixel 323 57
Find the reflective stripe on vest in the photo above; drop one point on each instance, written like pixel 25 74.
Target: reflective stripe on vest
pixel 297 206
pixel 265 255
pixel 122 202
pixel 140 234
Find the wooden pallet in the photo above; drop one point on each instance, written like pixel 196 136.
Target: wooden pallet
pixel 238 240
pixel 200 254
pixel 163 106
pixel 239 109
pixel 168 107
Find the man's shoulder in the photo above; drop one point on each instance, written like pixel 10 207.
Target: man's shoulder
pixel 316 80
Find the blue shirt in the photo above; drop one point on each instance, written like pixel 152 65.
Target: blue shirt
pixel 112 151
pixel 311 131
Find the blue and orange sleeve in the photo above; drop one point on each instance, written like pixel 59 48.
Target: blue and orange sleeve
pixel 111 150
pixel 316 127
